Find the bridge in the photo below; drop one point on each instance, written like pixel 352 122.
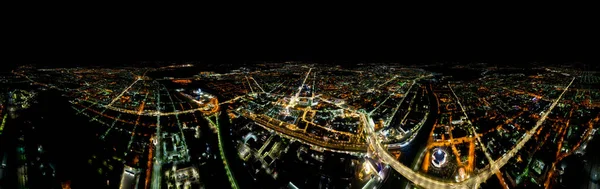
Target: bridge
pixel 472 182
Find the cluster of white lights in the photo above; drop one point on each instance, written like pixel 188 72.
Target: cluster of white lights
pixel 439 162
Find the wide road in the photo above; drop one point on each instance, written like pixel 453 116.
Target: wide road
pixel 156 168
pixel 472 182
pixel 408 173
pixel 486 173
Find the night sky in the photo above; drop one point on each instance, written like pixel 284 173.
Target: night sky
pixel 68 39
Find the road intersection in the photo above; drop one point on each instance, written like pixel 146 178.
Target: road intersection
pixel 472 182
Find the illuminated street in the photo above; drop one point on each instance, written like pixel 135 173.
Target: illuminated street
pixel 301 126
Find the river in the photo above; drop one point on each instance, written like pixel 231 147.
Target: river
pixel 410 152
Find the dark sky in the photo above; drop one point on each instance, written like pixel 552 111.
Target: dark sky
pixel 469 38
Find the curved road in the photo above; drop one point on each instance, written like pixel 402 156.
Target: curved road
pixel 473 182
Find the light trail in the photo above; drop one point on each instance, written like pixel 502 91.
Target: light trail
pixel 258 84
pixel 249 84
pixel 125 90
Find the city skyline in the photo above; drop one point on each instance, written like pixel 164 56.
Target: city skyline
pixel 301 125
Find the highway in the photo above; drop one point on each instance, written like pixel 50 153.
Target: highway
pixel 249 84
pixel 408 173
pixel 258 84
pixel 156 170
